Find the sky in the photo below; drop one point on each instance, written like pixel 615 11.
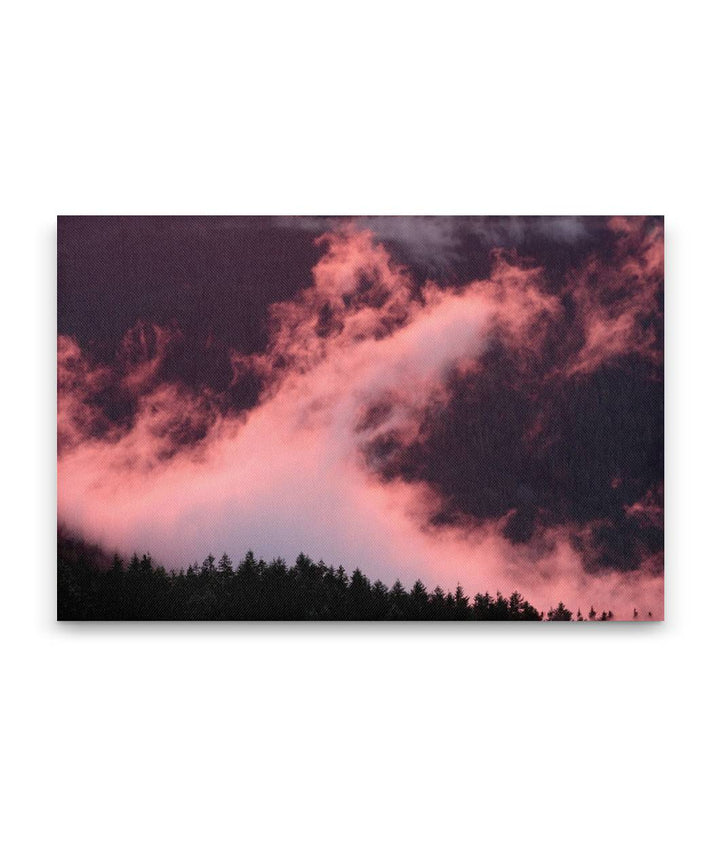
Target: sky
pixel 472 400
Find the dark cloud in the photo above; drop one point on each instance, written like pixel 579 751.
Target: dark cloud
pixel 544 450
pixel 457 247
pixel 212 278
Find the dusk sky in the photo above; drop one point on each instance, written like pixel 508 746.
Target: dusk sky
pixel 473 400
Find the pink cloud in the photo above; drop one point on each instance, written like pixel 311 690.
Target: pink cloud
pixel 614 299
pixel 142 351
pixel 77 381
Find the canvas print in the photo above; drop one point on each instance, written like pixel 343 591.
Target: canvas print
pixel 360 418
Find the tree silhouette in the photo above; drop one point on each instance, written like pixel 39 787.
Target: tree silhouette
pixel 399 600
pixel 418 602
pixel 560 613
pixel 93 586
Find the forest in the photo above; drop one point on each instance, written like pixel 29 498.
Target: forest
pixel 95 587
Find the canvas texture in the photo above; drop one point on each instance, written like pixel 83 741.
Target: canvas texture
pixel 360 418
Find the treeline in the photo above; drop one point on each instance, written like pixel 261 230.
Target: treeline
pixel 93 587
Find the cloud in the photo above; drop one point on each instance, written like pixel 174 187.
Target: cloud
pixel 437 244
pixel 617 300
pixel 142 351
pixel 356 363
pixel 77 382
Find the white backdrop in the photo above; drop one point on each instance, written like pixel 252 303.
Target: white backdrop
pixel 358 740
